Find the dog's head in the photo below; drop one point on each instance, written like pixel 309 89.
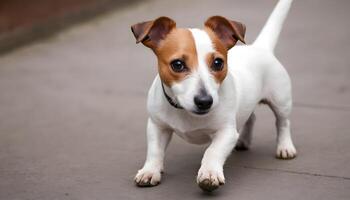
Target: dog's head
pixel 191 62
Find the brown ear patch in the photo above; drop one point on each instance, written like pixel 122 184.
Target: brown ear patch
pixel 150 33
pixel 179 44
pixel 228 31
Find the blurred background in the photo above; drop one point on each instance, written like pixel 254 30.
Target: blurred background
pixel 73 88
pixel 22 21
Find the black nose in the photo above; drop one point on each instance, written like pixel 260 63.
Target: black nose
pixel 203 101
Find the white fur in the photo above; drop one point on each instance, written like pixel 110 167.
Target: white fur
pixel 268 36
pixel 254 75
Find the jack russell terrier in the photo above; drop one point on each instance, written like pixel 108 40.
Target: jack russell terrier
pixel 206 91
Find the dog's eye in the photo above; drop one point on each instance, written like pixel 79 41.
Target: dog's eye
pixel 218 64
pixel 178 66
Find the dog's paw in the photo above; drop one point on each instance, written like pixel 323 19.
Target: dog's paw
pixel 210 179
pixel 286 152
pixel 241 146
pixel 147 177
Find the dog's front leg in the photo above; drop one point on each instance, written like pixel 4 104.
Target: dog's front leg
pixel 210 174
pixel 158 139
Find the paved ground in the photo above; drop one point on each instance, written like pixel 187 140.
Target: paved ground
pixel 72 110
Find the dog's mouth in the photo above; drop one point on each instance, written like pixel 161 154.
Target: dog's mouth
pixel 201 112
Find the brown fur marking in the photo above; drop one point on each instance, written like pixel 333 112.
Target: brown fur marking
pixel 220 52
pixel 179 44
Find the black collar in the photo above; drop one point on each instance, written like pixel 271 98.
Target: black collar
pixel 170 100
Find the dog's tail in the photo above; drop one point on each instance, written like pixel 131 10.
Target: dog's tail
pixel 268 36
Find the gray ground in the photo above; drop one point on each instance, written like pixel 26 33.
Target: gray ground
pixel 73 116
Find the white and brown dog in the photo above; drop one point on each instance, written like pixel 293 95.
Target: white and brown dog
pixel 206 92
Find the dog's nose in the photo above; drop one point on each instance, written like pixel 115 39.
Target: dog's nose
pixel 203 102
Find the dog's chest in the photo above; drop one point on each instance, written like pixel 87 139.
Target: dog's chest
pixel 192 130
pixel 200 136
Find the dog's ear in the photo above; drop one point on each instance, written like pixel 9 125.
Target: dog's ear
pixel 228 31
pixel 150 33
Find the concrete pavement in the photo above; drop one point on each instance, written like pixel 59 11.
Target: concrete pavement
pixel 73 115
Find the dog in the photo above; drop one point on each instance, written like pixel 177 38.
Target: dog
pixel 206 91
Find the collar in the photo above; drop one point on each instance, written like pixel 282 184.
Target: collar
pixel 170 100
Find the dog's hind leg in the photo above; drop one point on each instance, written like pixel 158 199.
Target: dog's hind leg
pixel 245 136
pixel 285 146
pixel 279 100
